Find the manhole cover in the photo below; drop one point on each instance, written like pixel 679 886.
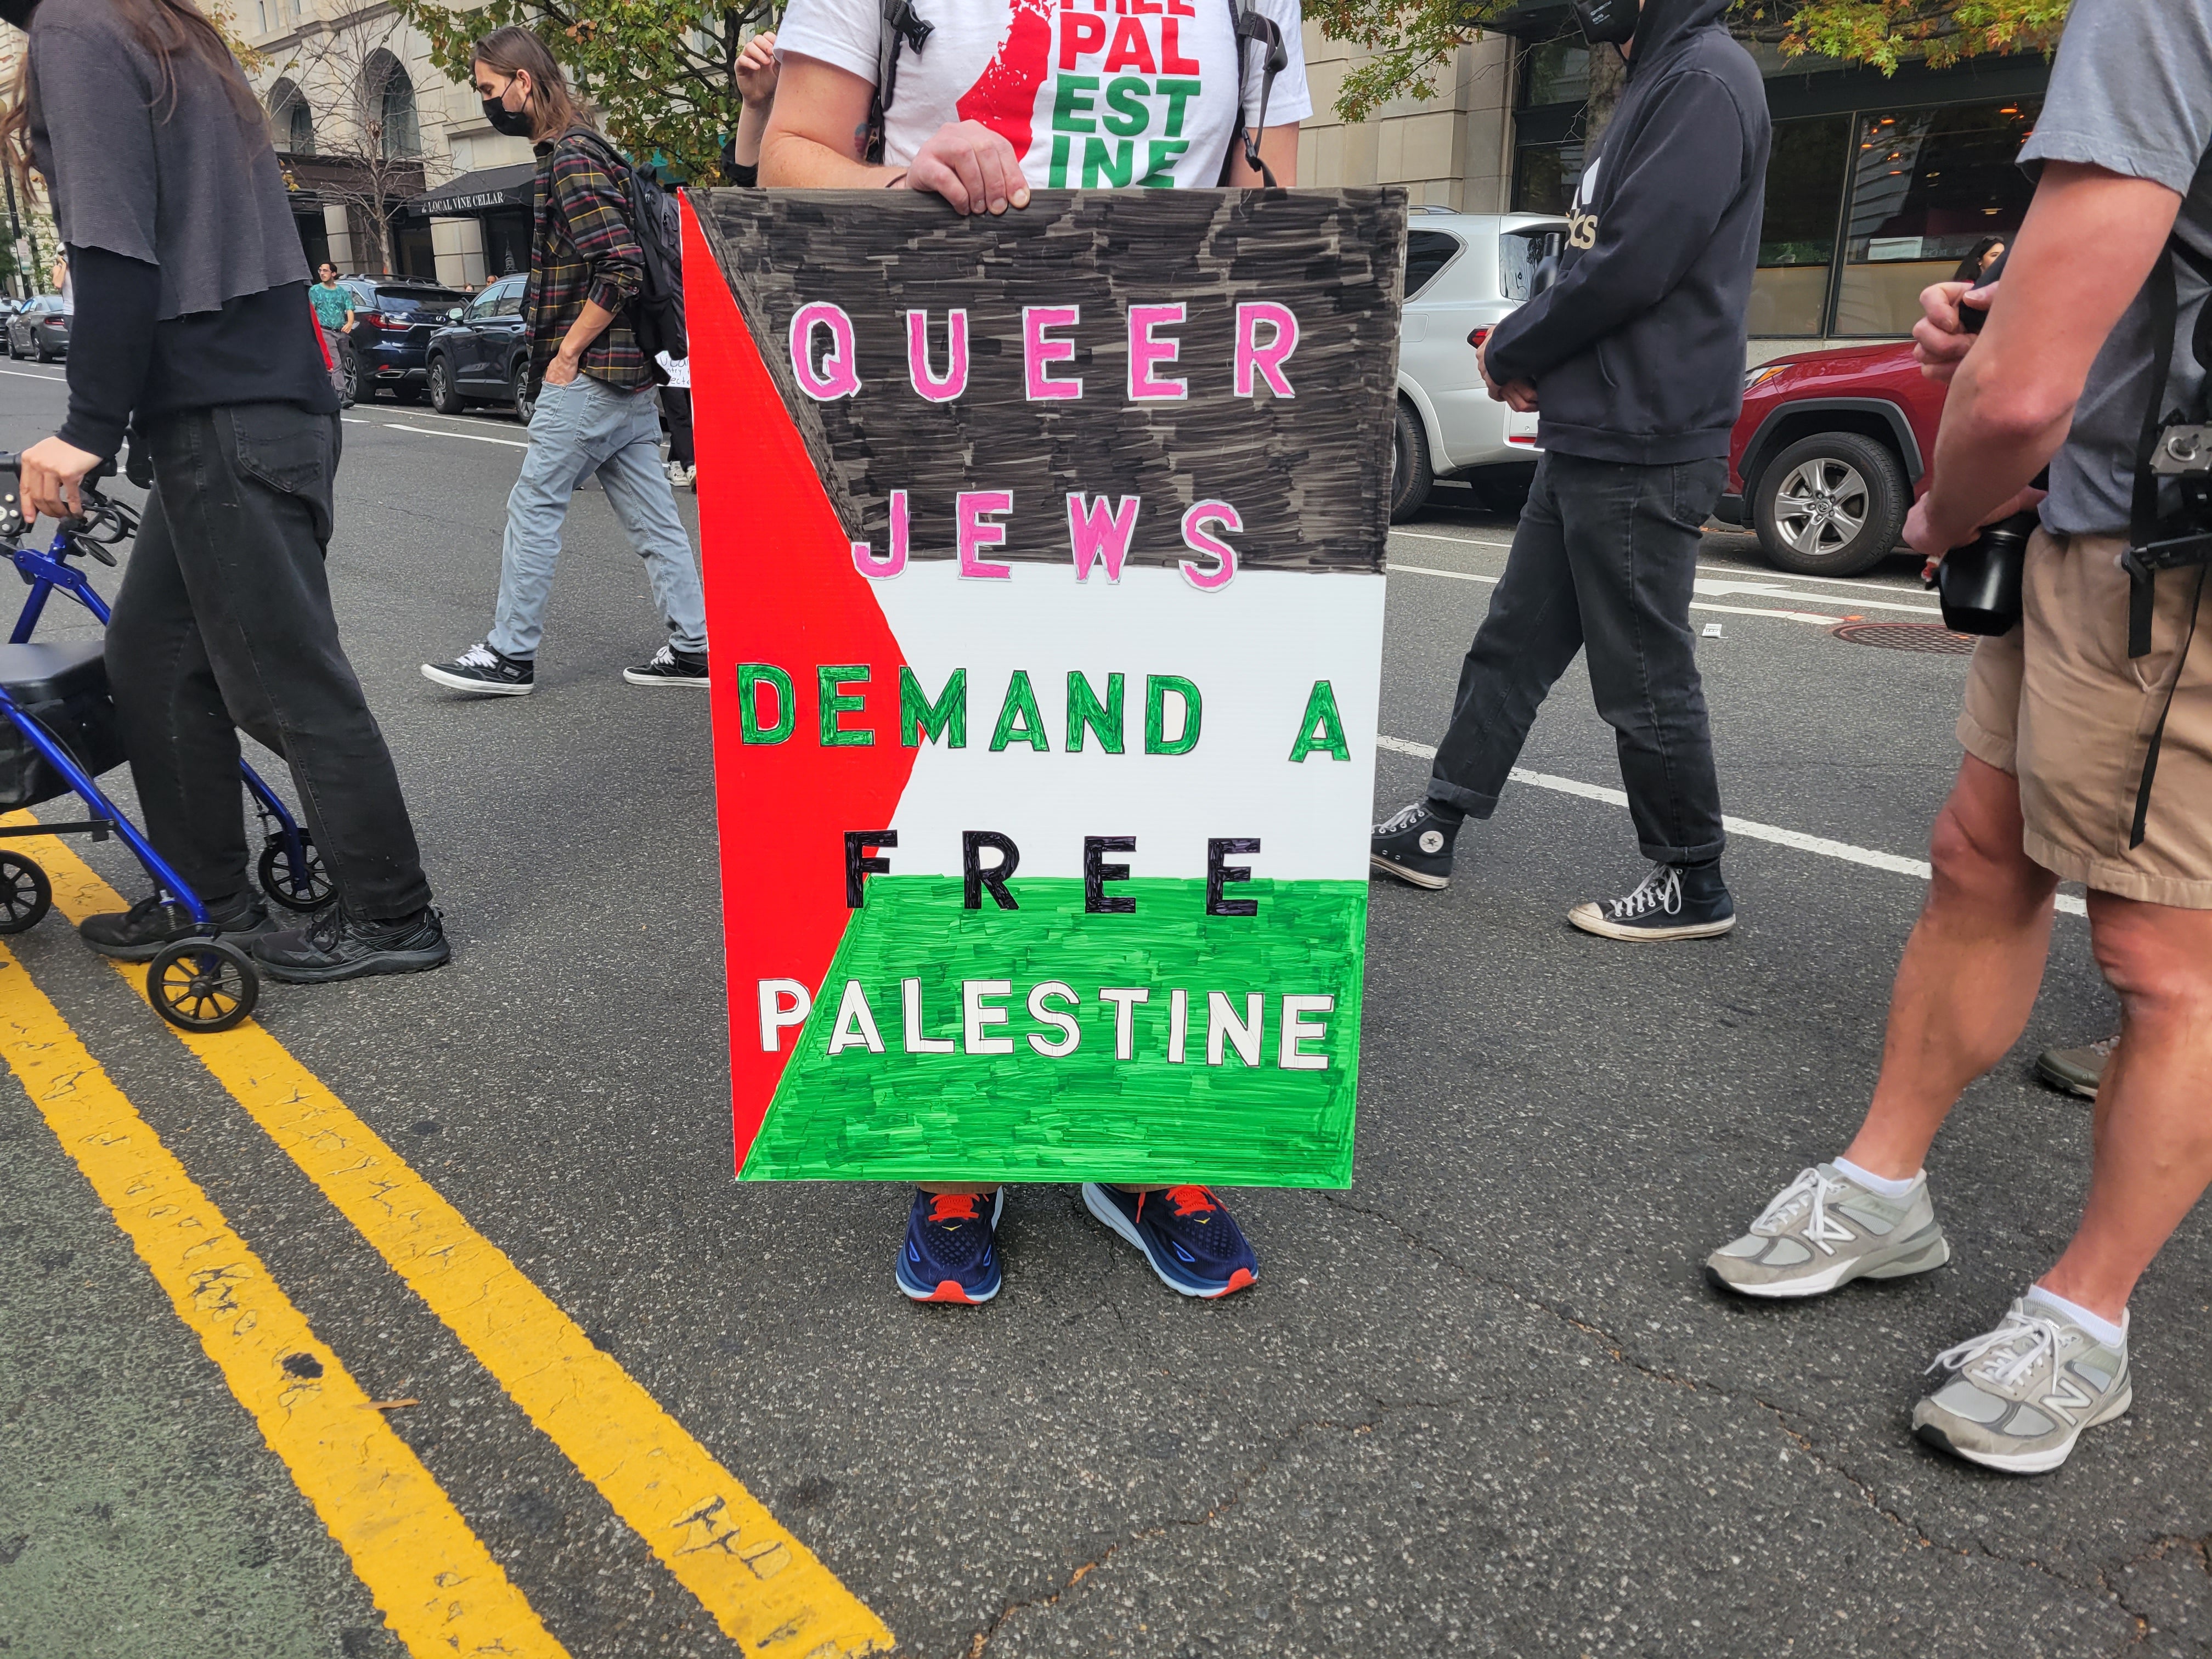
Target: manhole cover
pixel 1907 636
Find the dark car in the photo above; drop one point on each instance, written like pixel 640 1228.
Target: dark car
pixel 481 352
pixel 393 320
pixel 40 328
pixel 1829 454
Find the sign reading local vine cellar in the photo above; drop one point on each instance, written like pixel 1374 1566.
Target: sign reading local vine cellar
pixel 1044 564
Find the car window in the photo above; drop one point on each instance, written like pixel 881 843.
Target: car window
pixel 486 304
pixel 510 298
pixel 405 302
pixel 1520 252
pixel 1427 252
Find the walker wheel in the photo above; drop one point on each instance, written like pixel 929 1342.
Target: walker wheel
pixel 295 888
pixel 202 984
pixel 26 894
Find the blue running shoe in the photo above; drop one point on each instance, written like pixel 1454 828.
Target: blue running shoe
pixel 951 1248
pixel 1192 1243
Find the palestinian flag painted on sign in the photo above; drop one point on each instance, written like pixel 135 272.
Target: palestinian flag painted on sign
pixel 1044 565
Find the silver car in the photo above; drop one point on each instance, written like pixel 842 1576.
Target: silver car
pixel 1465 273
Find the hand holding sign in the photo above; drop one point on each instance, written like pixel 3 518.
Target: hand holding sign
pixel 971 166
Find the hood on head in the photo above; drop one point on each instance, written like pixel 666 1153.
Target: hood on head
pixel 1665 21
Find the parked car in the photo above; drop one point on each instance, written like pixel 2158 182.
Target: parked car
pixel 393 320
pixel 40 328
pixel 1829 454
pixel 481 353
pixel 1465 274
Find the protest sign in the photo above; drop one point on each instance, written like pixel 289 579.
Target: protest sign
pixel 1044 559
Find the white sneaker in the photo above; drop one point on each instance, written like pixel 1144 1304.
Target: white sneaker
pixel 681 477
pixel 2021 1394
pixel 1824 1230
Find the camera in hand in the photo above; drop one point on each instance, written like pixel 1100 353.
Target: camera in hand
pixel 1980 583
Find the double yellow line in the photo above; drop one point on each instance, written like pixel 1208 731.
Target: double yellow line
pixel 440 1589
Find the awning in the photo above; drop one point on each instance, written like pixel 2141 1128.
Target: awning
pixel 476 192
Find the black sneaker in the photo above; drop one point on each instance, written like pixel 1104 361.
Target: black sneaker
pixel 1415 845
pixel 1676 901
pixel 138 934
pixel 669 666
pixel 334 946
pixel 482 670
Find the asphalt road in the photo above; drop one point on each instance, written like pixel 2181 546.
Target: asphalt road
pixel 1482 1402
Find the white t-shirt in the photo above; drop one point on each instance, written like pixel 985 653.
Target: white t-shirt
pixel 1091 94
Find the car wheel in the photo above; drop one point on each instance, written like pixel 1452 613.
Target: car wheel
pixel 8 342
pixel 1503 489
pixel 443 397
pixel 38 352
pixel 525 404
pixel 1830 505
pixel 407 392
pixel 1410 475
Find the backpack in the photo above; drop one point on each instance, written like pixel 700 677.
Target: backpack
pixel 656 315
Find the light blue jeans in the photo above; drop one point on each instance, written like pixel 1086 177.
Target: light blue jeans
pixel 577 429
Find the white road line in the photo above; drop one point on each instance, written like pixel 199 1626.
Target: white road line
pixel 1822 621
pixel 1464 541
pixel 1425 570
pixel 27 374
pixel 1748 828
pixel 473 437
pixel 1852 582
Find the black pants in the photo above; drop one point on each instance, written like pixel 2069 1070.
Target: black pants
pixel 676 404
pixel 1604 557
pixel 224 622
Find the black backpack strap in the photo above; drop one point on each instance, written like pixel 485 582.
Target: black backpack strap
pixel 902 25
pixel 1246 24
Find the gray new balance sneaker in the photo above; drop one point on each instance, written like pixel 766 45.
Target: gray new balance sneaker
pixel 1824 1230
pixel 2022 1393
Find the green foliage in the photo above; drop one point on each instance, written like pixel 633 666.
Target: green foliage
pixel 1409 39
pixel 658 73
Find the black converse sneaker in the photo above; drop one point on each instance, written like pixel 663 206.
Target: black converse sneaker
pixel 1414 845
pixel 1676 901
pixel 482 670
pixel 669 666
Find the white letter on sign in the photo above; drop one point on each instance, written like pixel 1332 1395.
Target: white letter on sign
pixel 776 1013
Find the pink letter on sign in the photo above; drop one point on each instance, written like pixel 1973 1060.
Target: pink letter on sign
pixel 1037 352
pixel 1093 533
pixel 840 377
pixel 1144 351
pixel 1198 541
pixel 1268 359
pixel 969 509
pixel 883 569
pixel 955 355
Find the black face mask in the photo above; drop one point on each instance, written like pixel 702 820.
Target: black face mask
pixel 514 122
pixel 18 12
pixel 1606 22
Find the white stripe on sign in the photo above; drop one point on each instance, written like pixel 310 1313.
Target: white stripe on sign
pixel 1748 828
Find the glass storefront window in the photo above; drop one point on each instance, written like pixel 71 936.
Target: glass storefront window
pixel 1545 176
pixel 1927 185
pixel 1555 72
pixel 1805 174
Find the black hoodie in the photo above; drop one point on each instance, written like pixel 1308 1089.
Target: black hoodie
pixel 1637 350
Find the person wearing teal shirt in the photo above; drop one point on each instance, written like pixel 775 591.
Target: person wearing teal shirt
pixel 333 303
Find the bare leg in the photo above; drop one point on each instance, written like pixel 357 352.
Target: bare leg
pixel 2153 1131
pixel 1969 974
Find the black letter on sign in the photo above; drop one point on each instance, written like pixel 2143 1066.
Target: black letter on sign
pixel 1217 872
pixel 972 843
pixel 858 842
pixel 1097 873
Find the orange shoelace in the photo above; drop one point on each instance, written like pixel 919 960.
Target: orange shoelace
pixel 1187 1200
pixel 953 1207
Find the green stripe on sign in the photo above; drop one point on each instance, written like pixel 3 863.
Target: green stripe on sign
pixel 1242 1107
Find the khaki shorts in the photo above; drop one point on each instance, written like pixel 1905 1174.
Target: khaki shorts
pixel 2058 703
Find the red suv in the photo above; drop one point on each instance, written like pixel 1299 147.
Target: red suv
pixel 1831 450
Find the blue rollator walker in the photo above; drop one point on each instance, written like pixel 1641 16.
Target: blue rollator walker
pixel 57 732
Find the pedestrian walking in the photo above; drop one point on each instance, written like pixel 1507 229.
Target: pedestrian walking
pixel 198 335
pixel 594 413
pixel 676 406
pixel 962 120
pixel 1633 360
pixel 333 302
pixel 2088 733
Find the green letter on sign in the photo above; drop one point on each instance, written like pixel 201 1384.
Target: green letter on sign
pixel 1322 726
pixel 1021 704
pixel 829 680
pixel 947 717
pixel 1084 709
pixel 751 675
pixel 1156 741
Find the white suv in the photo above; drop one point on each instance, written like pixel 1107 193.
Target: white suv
pixel 1465 273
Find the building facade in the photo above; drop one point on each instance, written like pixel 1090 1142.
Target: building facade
pixel 1877 186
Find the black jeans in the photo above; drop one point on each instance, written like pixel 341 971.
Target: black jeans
pixel 676 404
pixel 1604 557
pixel 224 622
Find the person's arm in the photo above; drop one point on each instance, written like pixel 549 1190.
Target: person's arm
pixel 755 71
pixel 818 131
pixel 116 302
pixel 2089 242
pixel 596 216
pixel 1278 148
pixel 1665 201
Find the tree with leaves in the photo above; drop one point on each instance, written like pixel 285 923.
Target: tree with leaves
pixel 1410 38
pixel 661 75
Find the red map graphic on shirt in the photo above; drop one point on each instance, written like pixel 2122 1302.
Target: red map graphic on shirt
pixel 1004 97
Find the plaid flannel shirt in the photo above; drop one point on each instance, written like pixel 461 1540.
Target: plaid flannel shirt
pixel 582 248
